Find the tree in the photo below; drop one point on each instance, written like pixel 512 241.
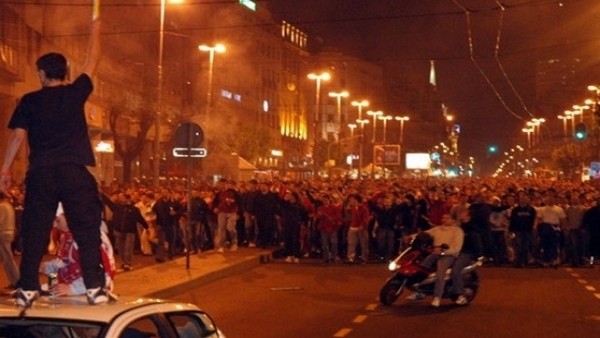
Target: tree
pixel 570 157
pixel 129 128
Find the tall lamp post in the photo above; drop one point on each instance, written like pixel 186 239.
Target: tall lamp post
pixel 385 118
pixel 317 78
pixel 360 105
pixel 564 119
pixel 402 120
pixel 157 119
pixel 361 123
pixel 528 131
pixel 338 97
pixel 211 50
pixel 374 115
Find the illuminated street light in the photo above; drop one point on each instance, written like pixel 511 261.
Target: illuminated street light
pixel 385 119
pixel 361 123
pixel 564 119
pixel 352 126
pixel 157 120
pixel 579 109
pixel 528 131
pixel 318 78
pixel 211 50
pixel 338 97
pixel 360 105
pixel 402 119
pixel 374 114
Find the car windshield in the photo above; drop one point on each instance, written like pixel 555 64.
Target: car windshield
pixel 34 328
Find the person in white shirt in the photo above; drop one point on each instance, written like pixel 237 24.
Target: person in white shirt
pixel 551 219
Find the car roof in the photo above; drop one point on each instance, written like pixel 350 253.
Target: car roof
pixel 77 308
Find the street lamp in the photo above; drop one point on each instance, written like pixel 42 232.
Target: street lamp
pixel 360 105
pixel 361 123
pixel 528 131
pixel 374 114
pixel 338 96
pixel 318 78
pixel 564 119
pixel 385 119
pixel 157 120
pixel 536 123
pixel 579 109
pixel 211 50
pixel 402 119
pixel 352 126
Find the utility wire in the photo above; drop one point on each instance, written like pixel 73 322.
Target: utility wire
pixel 496 52
pixel 467 13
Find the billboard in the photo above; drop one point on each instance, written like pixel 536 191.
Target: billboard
pixel 388 154
pixel 421 161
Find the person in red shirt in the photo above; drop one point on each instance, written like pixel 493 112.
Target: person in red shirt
pixel 329 222
pixel 358 233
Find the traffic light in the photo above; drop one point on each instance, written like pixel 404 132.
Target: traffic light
pixel 492 149
pixel 580 131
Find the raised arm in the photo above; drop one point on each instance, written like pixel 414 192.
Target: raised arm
pixel 94 49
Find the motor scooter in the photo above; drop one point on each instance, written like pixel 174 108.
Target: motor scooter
pixel 408 273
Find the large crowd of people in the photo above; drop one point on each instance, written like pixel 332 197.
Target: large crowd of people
pixel 521 222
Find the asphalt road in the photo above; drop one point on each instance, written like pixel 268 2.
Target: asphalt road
pixel 315 300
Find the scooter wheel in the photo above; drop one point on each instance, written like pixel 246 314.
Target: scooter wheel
pixel 390 292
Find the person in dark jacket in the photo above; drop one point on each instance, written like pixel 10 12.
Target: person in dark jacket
pixel 126 217
pixel 264 209
pixel 472 249
pixel 591 224
pixel 522 219
pixel 386 214
pixel 167 212
pixel 293 216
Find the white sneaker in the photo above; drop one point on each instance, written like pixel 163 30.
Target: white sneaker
pixel 435 302
pixel 289 259
pixel 234 247
pixel 461 300
pixel 296 260
pixel 416 296
pixel 99 295
pixel 221 250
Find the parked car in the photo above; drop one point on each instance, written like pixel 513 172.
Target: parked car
pixel 72 317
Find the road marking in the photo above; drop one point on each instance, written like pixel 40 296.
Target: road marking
pixel 371 307
pixel 576 275
pixel 568 269
pixel 359 319
pixel 343 332
pixel 597 295
pixel 590 288
pixel 582 281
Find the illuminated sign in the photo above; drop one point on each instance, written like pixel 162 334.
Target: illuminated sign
pixel 249 3
pixel 418 161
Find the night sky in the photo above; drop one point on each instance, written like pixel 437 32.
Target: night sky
pixel 402 35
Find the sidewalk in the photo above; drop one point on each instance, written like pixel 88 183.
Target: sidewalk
pixel 167 279
pixel 164 280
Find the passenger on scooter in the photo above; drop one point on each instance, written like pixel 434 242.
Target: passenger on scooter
pixel 451 236
pixel 472 248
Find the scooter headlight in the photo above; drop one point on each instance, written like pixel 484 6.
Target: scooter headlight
pixel 392 266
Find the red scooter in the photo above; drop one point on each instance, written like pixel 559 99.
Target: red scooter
pixel 409 273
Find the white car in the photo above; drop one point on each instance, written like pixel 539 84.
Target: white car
pixel 72 317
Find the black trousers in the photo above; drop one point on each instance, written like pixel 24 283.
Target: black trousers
pixel 76 188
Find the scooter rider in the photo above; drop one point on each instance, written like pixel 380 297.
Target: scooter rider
pixel 452 236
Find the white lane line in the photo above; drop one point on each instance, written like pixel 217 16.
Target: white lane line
pixel 597 295
pixel 343 332
pixel 568 269
pixel 582 281
pixel 590 288
pixel 576 275
pixel 371 307
pixel 359 319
